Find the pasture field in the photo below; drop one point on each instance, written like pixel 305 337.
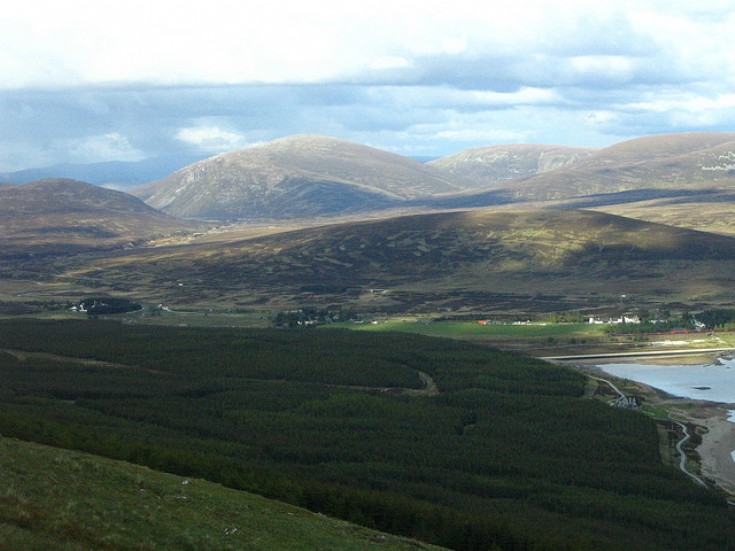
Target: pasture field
pixel 473 330
pixel 544 339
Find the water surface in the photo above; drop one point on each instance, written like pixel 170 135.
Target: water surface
pixel 714 382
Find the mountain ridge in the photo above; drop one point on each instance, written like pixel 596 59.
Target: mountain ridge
pixel 671 160
pixel 296 176
pixel 495 165
pixel 304 176
pixel 120 175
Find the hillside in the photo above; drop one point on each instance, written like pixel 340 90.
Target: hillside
pixel 709 210
pixel 495 165
pixel 652 166
pixel 684 180
pixel 59 499
pixel 477 260
pixel 70 207
pixel 294 177
pixel 51 218
pixel 302 177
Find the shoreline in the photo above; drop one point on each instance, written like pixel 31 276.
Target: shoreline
pixel 716 460
pixel 715 451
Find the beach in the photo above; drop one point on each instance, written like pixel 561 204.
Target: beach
pixel 716 450
pixel 702 394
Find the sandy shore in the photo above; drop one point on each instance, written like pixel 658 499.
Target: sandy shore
pixel 715 451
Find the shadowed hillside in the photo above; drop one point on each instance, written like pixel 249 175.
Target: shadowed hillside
pixel 463 259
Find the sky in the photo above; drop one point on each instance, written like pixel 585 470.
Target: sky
pixel 85 81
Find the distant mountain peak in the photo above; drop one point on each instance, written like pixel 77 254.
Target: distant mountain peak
pixel 54 208
pixel 486 166
pixel 296 176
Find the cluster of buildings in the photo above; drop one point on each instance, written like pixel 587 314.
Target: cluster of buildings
pixel 608 321
pixel 591 321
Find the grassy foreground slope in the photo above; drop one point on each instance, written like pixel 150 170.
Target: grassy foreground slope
pixel 507 454
pixel 59 499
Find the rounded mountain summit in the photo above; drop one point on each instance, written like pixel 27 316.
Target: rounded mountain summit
pixel 294 177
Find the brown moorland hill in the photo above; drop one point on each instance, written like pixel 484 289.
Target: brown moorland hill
pixel 685 180
pixel 294 177
pixel 476 260
pixel 496 165
pixel 665 162
pixel 58 217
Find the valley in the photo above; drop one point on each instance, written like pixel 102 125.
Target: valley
pixel 481 262
pixel 417 406
pixel 439 241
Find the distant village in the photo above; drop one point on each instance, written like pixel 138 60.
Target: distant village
pixel 590 320
pixel 608 321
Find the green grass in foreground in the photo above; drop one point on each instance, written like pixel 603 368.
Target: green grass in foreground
pixel 58 499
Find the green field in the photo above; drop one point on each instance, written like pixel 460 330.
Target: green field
pixel 473 330
pixel 537 339
pixel 505 453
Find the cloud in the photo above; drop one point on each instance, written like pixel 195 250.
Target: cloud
pixel 106 147
pixel 33 152
pixel 212 139
pixel 92 79
pixel 81 42
pixel 389 62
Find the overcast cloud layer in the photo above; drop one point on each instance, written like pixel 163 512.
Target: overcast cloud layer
pixel 90 81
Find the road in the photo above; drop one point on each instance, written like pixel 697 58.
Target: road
pixel 679 444
pixel 638 354
pixel 682 454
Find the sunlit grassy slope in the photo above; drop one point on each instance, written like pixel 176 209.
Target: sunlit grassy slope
pixel 58 499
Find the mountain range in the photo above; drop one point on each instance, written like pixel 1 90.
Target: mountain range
pixel 652 162
pixel 317 176
pixel 306 176
pixel 356 211
pixel 295 177
pixel 119 175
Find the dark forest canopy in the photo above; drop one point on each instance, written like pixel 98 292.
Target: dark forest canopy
pixel 507 455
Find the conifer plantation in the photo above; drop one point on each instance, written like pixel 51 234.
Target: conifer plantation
pixel 506 455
